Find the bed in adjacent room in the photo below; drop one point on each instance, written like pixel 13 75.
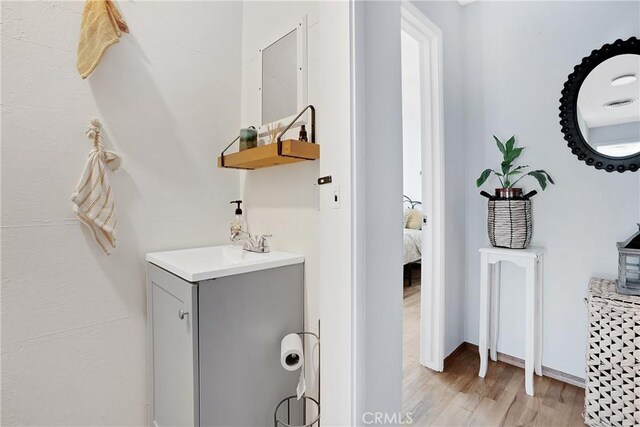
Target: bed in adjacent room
pixel 412 245
pixel 412 235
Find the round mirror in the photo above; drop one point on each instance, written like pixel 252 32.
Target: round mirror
pixel 600 107
pixel 608 107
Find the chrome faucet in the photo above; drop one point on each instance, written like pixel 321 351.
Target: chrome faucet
pixel 251 243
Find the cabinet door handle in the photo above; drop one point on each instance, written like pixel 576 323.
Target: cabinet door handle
pixel 182 314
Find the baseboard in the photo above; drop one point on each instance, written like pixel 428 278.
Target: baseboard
pixel 515 361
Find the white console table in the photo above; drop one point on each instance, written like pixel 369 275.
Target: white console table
pixel 531 259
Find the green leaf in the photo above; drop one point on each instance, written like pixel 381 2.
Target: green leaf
pixel 505 167
pixel 511 143
pixel 546 174
pixel 542 179
pixel 483 177
pixel 500 145
pixel 518 170
pixel 513 154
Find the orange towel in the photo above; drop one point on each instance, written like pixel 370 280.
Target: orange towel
pixel 102 26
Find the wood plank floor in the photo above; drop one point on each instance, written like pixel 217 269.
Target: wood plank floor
pixel 458 397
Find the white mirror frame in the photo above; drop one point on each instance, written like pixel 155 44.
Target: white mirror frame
pixel 302 80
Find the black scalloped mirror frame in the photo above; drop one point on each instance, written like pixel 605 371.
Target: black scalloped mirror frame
pixel 569 103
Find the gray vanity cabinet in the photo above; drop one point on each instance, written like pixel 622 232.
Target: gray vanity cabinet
pixel 173 349
pixel 214 346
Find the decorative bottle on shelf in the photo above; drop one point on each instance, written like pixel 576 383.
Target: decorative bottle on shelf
pixel 248 138
pixel 303 134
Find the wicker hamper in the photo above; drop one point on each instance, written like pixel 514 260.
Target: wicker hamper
pixel 612 394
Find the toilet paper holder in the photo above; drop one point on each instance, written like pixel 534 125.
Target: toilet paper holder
pixel 314 403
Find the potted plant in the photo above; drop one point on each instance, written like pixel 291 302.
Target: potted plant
pixel 509 221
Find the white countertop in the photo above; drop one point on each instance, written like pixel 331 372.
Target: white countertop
pixel 197 264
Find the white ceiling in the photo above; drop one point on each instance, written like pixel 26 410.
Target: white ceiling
pixel 596 91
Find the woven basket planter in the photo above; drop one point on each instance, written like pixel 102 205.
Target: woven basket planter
pixel 612 394
pixel 509 223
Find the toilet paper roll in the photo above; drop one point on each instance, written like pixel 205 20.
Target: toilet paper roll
pixel 291 355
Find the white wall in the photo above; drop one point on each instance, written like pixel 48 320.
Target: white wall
pixel 518 56
pixel 286 201
pixel 382 147
pixel 73 319
pixel 411 126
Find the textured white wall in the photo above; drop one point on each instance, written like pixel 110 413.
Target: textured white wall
pixel 518 56
pixel 285 201
pixel 73 319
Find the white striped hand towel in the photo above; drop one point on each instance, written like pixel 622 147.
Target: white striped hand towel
pixel 93 201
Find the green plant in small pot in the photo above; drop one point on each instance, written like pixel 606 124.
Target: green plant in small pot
pixel 509 221
pixel 511 174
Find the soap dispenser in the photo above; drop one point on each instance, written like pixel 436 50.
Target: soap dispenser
pixel 238 224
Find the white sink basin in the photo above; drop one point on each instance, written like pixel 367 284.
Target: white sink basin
pixel 199 264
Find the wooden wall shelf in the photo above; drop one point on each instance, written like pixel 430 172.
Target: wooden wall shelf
pixel 291 151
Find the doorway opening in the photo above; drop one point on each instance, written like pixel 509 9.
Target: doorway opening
pixel 423 188
pixel 413 253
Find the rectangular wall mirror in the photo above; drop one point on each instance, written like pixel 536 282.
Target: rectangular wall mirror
pixel 283 84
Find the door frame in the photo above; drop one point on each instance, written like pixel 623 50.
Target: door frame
pixel 432 298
